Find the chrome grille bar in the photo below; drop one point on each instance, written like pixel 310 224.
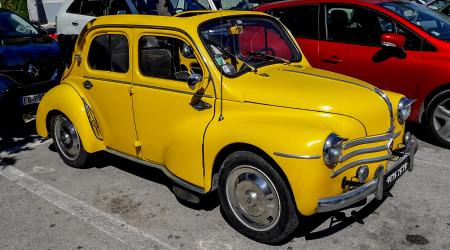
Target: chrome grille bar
pixel 363 151
pixel 360 162
pixel 366 140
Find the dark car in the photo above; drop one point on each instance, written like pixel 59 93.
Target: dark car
pixel 30 64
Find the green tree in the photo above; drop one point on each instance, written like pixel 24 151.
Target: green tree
pixel 18 6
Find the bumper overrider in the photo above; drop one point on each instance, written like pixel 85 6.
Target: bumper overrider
pixel 383 180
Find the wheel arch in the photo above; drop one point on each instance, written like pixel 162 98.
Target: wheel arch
pixel 234 147
pixel 429 98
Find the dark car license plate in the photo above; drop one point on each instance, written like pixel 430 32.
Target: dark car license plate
pixel 392 176
pixel 31 99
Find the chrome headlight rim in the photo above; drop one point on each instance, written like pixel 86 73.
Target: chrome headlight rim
pixel 332 150
pixel 404 109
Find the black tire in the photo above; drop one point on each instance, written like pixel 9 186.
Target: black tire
pixel 280 226
pixel 434 123
pixel 68 142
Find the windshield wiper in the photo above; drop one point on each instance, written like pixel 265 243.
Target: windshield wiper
pixel 275 58
pixel 251 67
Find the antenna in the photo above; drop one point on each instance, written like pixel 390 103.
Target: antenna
pixel 221 74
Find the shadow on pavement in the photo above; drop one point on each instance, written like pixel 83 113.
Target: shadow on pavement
pixel 14 140
pixel 208 202
pixel 422 134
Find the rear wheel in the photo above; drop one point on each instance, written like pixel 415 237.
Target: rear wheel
pixel 68 142
pixel 438 118
pixel 256 199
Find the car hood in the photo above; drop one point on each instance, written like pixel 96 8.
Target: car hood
pixel 17 54
pixel 318 90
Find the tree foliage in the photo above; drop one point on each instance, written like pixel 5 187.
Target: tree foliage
pixel 18 6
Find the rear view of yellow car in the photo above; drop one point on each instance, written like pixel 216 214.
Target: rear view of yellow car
pixel 225 101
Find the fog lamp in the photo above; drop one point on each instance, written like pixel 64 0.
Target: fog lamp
pixel 362 173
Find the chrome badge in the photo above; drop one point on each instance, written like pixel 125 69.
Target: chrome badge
pixel 33 71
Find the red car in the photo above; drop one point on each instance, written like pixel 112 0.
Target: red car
pixel 396 45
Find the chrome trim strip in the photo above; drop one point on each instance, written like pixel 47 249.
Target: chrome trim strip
pixel 167 89
pixel 107 79
pixel 297 156
pixel 92 120
pixel 363 151
pixel 366 140
pixel 391 109
pixel 160 167
pixel 360 162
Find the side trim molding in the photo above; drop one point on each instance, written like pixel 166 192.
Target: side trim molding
pixel 160 167
pixel 308 157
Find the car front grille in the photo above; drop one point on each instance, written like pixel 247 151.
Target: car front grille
pixel 362 147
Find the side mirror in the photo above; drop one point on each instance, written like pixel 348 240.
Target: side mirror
pixel 393 40
pixel 193 79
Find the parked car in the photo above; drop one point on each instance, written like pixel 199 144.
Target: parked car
pixel 445 10
pixel 398 46
pixel 437 4
pixel 30 64
pixel 224 100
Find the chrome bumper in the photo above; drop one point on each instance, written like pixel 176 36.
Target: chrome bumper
pixel 375 186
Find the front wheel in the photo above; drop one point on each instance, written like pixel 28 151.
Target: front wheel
pixel 255 198
pixel 438 118
pixel 68 142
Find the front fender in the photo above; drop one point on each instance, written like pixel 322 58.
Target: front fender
pixel 66 100
pixel 283 130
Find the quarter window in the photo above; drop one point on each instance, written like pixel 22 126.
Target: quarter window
pixel 166 57
pixel 302 21
pixel 109 53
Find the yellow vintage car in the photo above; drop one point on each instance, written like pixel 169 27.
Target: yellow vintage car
pixel 225 101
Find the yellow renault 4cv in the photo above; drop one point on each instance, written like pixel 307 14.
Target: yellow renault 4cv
pixel 225 101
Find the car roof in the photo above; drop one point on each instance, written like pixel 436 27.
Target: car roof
pixel 293 2
pixel 185 21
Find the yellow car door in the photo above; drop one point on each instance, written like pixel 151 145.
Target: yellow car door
pixel 170 116
pixel 106 81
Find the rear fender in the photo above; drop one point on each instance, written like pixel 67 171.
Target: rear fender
pixel 66 100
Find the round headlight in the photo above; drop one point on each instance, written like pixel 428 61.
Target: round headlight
pixel 332 150
pixel 404 109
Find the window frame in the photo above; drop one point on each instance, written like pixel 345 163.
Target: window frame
pixel 324 18
pixel 152 33
pixel 109 34
pixel 318 30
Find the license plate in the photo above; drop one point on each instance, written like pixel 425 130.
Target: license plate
pixel 31 99
pixel 392 176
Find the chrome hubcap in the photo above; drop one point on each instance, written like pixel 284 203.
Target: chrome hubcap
pixel 253 198
pixel 67 138
pixel 441 119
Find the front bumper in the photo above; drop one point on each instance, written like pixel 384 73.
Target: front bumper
pixel 376 186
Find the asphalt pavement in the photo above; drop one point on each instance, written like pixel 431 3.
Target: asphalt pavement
pixel 118 204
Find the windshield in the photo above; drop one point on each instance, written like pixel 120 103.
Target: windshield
pixel 242 44
pixel 432 22
pixel 12 25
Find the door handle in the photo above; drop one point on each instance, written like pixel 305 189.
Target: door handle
pixel 75 23
pixel 87 85
pixel 332 60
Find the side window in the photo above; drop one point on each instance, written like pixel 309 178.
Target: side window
pixel 118 7
pixel 302 21
pixel 166 57
pixel 109 53
pixel 352 24
pixel 75 7
pixel 413 42
pixel 92 8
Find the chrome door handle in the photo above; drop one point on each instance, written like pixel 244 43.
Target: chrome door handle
pixel 87 85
